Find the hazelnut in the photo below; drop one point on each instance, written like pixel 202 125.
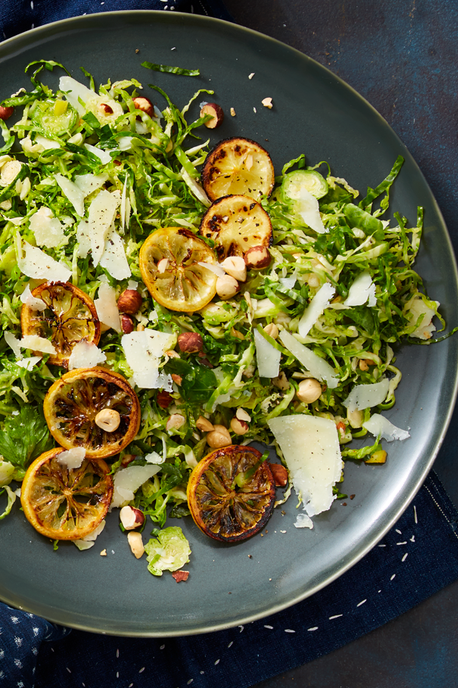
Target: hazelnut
pixel 226 287
pixel 216 112
pixel 309 390
pixel 363 365
pixel 175 421
pixel 240 427
pixel 177 379
pixel 267 102
pixel 107 109
pixel 204 425
pixel 130 301
pixel 241 414
pixel 108 420
pixel 144 104
pixel 219 437
pixel 279 473
pixel 235 267
pixel 272 330
pixel 135 540
pixel 131 517
pixel 281 381
pixel 257 257
pixel 164 399
pixel 127 324
pixel 190 342
pixel 6 112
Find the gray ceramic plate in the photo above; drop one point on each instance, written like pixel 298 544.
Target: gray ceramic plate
pixel 315 113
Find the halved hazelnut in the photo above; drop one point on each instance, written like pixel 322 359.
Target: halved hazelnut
pixel 164 399
pixel 135 540
pixel 257 257
pixel 216 112
pixel 190 342
pixel 235 267
pixel 272 330
pixel 107 109
pixel 226 287
pixel 219 437
pixel 108 420
pixel 204 425
pixel 6 112
pixel 131 517
pixel 144 104
pixel 130 301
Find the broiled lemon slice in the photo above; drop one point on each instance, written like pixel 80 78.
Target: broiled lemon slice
pixel 231 493
pixel 66 503
pixel 238 166
pixel 236 224
pixel 69 317
pixel 172 267
pixel 76 407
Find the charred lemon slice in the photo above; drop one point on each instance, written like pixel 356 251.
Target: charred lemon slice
pixel 92 408
pixel 69 317
pixel 66 503
pixel 172 265
pixel 231 493
pixel 236 224
pixel 238 166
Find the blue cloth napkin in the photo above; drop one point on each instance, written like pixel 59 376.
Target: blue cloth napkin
pixel 418 557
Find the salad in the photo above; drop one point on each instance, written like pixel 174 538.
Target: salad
pixel 165 306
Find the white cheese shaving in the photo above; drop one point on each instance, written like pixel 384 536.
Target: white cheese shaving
pixel 102 213
pixel 29 363
pixel 72 458
pixel 303 521
pixel 36 343
pixel 72 192
pixel 36 264
pixel 47 229
pixel 76 93
pixel 309 210
pixel 88 183
pixel 379 426
pixel 85 355
pixel 310 446
pixel 198 191
pixel 316 365
pixel 13 343
pixel 32 301
pixel 107 307
pixel 315 308
pixel 362 290
pixel 267 356
pixel 83 238
pixel 114 256
pixel 89 541
pixel 154 457
pixel 216 269
pixel 143 351
pixel 366 396
pixel 102 155
pixel 128 480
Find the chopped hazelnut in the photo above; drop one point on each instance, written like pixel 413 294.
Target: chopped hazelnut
pixel 257 257
pixel 232 111
pixel 135 540
pixel 190 342
pixel 175 421
pixel 241 414
pixel 279 473
pixel 162 265
pixel 216 112
pixel 144 104
pixel 130 301
pixel 272 330
pixel 267 102
pixel 107 109
pixel 177 379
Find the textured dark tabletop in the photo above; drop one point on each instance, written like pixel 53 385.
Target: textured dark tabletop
pixel 401 57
